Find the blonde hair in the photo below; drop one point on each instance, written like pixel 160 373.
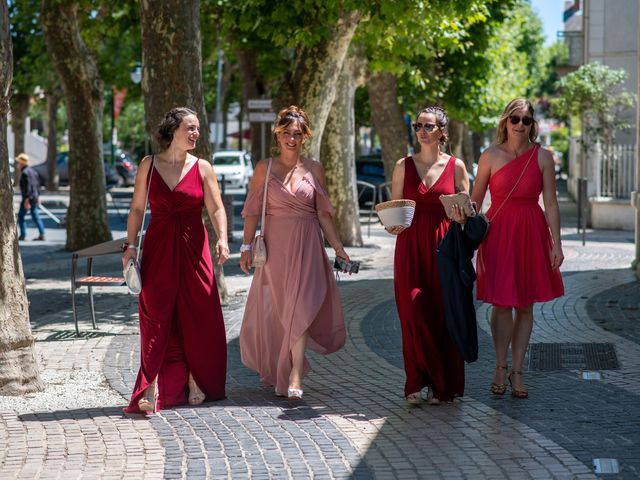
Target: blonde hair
pixel 286 117
pixel 514 106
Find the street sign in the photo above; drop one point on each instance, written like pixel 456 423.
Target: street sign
pixel 259 104
pixel 268 117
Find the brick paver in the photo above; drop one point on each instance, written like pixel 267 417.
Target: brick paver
pixel 353 421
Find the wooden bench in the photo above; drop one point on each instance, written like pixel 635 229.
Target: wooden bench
pixel 112 247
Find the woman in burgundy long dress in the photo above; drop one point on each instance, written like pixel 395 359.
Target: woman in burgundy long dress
pixel 183 354
pixel 518 262
pixel 430 357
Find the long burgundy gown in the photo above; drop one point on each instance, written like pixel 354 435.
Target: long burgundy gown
pixel 181 324
pixel 430 357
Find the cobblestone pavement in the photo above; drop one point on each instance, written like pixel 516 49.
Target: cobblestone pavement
pixel 353 421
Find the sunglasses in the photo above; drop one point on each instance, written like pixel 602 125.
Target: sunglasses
pixel 428 127
pixel 515 120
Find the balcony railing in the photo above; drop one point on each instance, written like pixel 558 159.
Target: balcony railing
pixel 615 170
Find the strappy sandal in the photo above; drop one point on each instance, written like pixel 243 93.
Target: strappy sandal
pixel 431 398
pixel 499 388
pixel 147 403
pixel 414 398
pixel 515 392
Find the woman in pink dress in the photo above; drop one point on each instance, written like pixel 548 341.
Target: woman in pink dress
pixel 293 302
pixel 518 262
pixel 431 359
pixel 182 337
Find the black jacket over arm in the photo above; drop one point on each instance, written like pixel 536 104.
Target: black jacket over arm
pixel 457 275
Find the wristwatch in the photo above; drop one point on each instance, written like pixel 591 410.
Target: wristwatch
pixel 245 247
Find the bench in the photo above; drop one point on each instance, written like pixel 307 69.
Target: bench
pixel 90 280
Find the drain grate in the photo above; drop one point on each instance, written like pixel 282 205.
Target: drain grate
pixel 571 356
pixel 71 335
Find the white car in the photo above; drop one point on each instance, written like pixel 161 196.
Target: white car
pixel 234 167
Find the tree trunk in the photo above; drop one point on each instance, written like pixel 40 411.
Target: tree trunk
pixel 388 119
pixel 456 138
pixel 19 111
pixel 253 87
pixel 171 80
pixel 477 142
pixel 83 92
pixel 18 367
pixel 337 154
pixel 53 100
pixel 315 75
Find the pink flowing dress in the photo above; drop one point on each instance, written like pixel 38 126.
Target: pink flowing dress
pixel 295 291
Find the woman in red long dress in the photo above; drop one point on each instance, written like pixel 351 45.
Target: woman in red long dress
pixel 518 262
pixel 430 356
pixel 183 355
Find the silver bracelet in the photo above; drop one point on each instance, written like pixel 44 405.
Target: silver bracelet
pixel 245 247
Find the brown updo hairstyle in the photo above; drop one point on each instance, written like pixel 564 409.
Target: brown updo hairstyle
pixel 442 120
pixel 514 106
pixel 169 124
pixel 286 117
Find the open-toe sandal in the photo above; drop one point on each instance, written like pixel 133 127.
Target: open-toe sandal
pixel 499 388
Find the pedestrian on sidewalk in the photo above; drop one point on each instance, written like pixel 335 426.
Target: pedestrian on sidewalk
pixel 431 359
pixel 293 302
pixel 183 346
pixel 30 191
pixel 518 261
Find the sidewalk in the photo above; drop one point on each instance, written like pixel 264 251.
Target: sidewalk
pixel 353 421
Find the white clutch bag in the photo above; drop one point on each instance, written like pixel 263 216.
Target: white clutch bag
pixel 132 277
pixel 131 272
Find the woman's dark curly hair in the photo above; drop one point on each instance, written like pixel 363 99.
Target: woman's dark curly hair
pixel 442 120
pixel 169 124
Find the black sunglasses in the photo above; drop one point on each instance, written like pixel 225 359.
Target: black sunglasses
pixel 428 127
pixel 526 121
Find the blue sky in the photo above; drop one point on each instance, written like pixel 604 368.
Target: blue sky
pixel 550 11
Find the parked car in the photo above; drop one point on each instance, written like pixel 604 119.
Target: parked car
pixel 62 164
pixel 370 169
pixel 235 167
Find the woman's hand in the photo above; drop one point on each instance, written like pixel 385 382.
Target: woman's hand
pixel 396 230
pixel 245 261
pixel 557 257
pixel 129 253
pixel 222 251
pixel 340 252
pixel 458 215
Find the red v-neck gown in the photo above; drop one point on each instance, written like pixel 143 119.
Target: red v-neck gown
pixel 430 357
pixel 181 324
pixel 514 260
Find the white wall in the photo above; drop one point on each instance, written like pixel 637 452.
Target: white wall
pixel 612 39
pixel 35 146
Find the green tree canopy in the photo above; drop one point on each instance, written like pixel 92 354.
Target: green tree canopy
pixel 594 93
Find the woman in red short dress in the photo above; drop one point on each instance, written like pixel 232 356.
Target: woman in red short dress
pixel 518 262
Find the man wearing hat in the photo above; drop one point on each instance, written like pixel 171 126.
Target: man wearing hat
pixel 29 188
